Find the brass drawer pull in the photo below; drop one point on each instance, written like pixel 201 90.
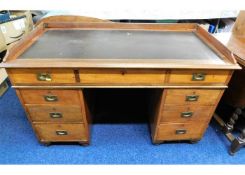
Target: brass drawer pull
pixel 180 131
pixel 198 77
pixel 55 115
pixel 186 114
pixel 50 98
pixel 44 77
pixel 61 132
pixel 191 98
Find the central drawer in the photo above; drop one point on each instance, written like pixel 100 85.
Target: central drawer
pixel 181 131
pixel 48 96
pixel 61 132
pixel 121 77
pixel 55 113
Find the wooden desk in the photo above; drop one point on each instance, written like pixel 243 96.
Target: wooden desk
pixel 51 67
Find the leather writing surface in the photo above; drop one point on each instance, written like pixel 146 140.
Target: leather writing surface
pixel 120 44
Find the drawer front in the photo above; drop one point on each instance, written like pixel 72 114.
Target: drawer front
pixel 41 76
pixel 33 96
pixel 186 113
pixel 192 96
pixel 199 76
pixel 181 131
pixel 61 132
pixel 121 77
pixel 55 113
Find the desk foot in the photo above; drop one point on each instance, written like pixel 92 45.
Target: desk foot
pixel 194 141
pixel 237 143
pixel 83 144
pixel 157 143
pixel 46 143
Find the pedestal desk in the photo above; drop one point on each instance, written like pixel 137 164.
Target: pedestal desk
pixel 51 67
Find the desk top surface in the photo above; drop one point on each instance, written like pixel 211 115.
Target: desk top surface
pixel 57 44
pixel 121 44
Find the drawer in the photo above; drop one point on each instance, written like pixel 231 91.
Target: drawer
pixel 198 76
pixel 48 96
pixel 55 113
pixel 181 131
pixel 122 77
pixel 186 113
pixel 61 132
pixel 41 76
pixel 192 96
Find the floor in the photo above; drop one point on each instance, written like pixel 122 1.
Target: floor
pixel 111 144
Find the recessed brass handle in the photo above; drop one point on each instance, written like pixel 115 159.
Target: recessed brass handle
pixel 187 114
pixel 61 132
pixel 198 77
pixel 44 77
pixel 50 98
pixel 191 97
pixel 180 131
pixel 55 115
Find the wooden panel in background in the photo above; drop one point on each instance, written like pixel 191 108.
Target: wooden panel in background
pixel 239 27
